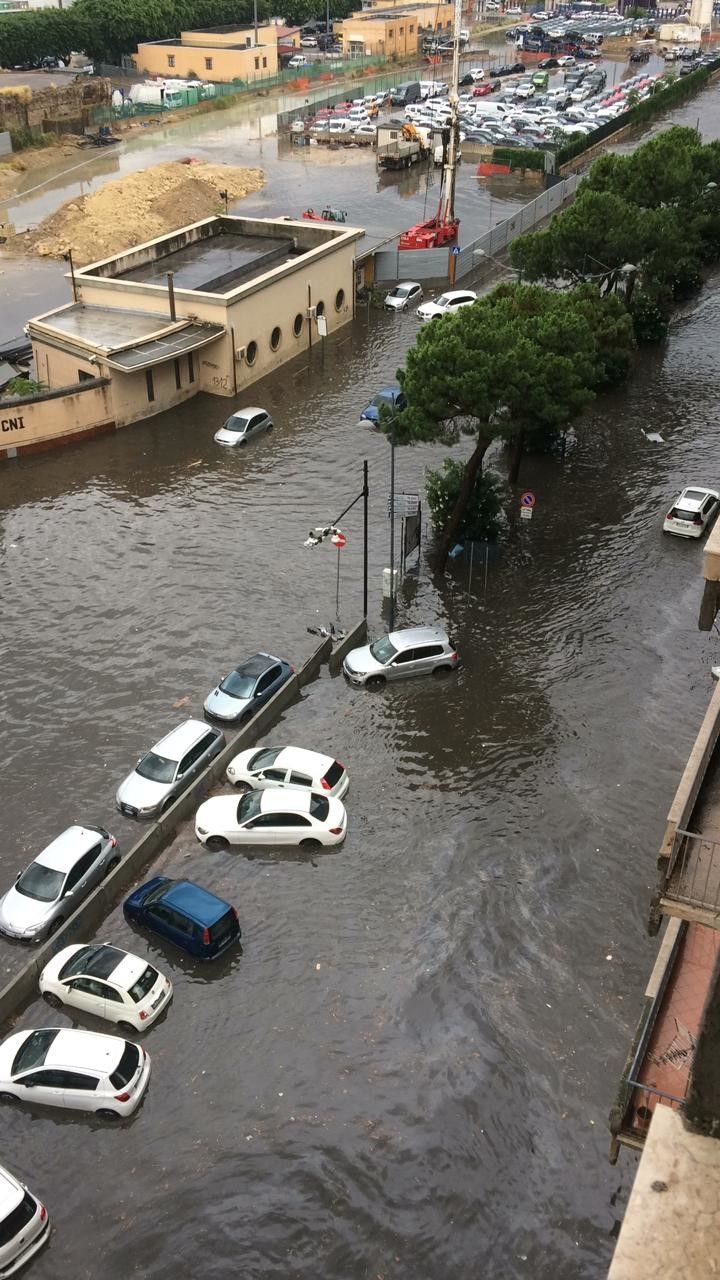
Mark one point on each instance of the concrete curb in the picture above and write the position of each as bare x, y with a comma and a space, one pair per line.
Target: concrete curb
356, 637
23, 986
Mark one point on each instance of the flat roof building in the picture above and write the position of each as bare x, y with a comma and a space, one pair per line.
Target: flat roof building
222, 54
383, 30
211, 307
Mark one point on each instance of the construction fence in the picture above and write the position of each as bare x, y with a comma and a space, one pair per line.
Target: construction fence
437, 264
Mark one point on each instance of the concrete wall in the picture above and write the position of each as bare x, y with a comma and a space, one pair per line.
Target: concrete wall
79, 409
62, 109
353, 640
23, 987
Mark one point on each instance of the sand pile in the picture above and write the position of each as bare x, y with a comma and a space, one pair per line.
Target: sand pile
137, 208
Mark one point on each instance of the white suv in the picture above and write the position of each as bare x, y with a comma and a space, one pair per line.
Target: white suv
24, 1224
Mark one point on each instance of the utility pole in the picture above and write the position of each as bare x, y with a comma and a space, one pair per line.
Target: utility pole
255, 21
392, 529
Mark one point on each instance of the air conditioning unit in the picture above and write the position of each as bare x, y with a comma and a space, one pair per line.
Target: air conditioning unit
310, 313
240, 353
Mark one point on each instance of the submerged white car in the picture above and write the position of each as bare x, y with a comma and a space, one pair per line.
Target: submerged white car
404, 295
254, 770
278, 815
241, 426
691, 512
105, 981
24, 1224
446, 304
79, 1070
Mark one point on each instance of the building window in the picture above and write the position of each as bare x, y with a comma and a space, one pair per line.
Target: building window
84, 376
251, 352
257, 64
149, 384
320, 309
298, 325
339, 299
248, 42
191, 368
401, 31
208, 64
411, 28
275, 337
171, 59
264, 62
390, 34
178, 380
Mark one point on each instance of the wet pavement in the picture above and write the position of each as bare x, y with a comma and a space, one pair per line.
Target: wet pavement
408, 1070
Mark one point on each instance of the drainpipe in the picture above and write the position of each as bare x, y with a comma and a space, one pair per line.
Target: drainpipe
171, 295
234, 358
309, 317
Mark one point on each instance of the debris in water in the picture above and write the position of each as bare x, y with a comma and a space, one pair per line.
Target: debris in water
653, 436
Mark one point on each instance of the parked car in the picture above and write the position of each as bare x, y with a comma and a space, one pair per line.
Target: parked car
308, 42
446, 304
105, 981
414, 651
298, 60
287, 767
548, 64
165, 771
24, 1224
244, 423
47, 892
390, 398
691, 512
277, 815
482, 90
79, 1070
247, 688
403, 296
187, 915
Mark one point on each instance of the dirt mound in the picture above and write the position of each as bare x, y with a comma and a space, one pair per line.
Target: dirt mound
137, 208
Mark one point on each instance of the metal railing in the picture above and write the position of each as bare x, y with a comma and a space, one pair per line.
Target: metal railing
693, 875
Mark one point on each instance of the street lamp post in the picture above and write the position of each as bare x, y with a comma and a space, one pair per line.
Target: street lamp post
391, 618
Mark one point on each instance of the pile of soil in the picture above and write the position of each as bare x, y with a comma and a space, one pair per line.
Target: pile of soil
138, 208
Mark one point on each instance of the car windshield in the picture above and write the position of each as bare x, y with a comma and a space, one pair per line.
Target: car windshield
382, 650
126, 1067
249, 806
402, 291
237, 685
443, 300
694, 495
381, 399
263, 759
157, 768
33, 1051
319, 807
41, 883
78, 962
145, 983
236, 424
679, 513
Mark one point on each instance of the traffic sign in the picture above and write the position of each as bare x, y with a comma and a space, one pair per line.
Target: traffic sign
526, 513
528, 500
455, 251
338, 540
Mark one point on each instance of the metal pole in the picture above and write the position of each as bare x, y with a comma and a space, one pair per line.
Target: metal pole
171, 295
392, 527
255, 20
337, 587
72, 274
365, 538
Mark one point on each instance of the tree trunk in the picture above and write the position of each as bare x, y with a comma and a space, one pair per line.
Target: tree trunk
473, 466
518, 444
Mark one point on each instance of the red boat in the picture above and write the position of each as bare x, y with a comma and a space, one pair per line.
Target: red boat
326, 215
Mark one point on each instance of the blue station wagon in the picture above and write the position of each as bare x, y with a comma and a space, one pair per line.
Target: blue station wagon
186, 914
389, 398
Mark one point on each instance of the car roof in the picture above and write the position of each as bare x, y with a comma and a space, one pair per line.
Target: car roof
407, 284
199, 904
458, 293
62, 853
418, 635
91, 1049
285, 800
11, 1193
301, 758
258, 663
701, 492
389, 391
180, 739
247, 411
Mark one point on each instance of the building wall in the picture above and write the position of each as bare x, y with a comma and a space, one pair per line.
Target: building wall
207, 62
130, 392
378, 36
37, 422
226, 39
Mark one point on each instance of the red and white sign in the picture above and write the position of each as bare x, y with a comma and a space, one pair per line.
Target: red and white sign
338, 540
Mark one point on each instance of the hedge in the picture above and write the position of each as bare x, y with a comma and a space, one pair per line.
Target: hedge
519, 157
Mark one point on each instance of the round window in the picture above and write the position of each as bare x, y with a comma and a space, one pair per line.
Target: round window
320, 309
297, 325
275, 337
251, 352
339, 299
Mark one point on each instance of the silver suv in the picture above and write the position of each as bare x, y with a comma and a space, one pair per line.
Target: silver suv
173, 763
51, 888
417, 651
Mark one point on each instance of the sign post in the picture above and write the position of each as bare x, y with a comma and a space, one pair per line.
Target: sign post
527, 503
338, 540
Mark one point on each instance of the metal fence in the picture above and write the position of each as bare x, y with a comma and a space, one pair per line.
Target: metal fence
435, 264
693, 877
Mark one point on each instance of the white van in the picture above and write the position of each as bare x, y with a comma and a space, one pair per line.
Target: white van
497, 110
24, 1224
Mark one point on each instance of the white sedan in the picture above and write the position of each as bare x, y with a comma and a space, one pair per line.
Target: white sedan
691, 512
275, 816
254, 770
107, 982
446, 304
80, 1070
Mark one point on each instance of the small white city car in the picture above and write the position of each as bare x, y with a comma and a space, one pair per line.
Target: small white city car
24, 1224
287, 767
242, 425
404, 295
446, 304
107, 982
80, 1070
692, 512
279, 815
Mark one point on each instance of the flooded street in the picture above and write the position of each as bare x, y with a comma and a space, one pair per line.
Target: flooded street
407, 1073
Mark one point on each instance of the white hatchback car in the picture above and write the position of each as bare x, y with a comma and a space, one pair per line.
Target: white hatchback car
24, 1224
278, 815
691, 512
254, 770
80, 1070
446, 304
107, 982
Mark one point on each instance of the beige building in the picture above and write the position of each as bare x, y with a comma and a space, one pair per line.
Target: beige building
222, 54
211, 307
396, 30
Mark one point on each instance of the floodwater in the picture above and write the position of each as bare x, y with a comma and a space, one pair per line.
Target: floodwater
407, 1072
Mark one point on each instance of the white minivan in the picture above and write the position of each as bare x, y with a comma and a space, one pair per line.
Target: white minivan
24, 1224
